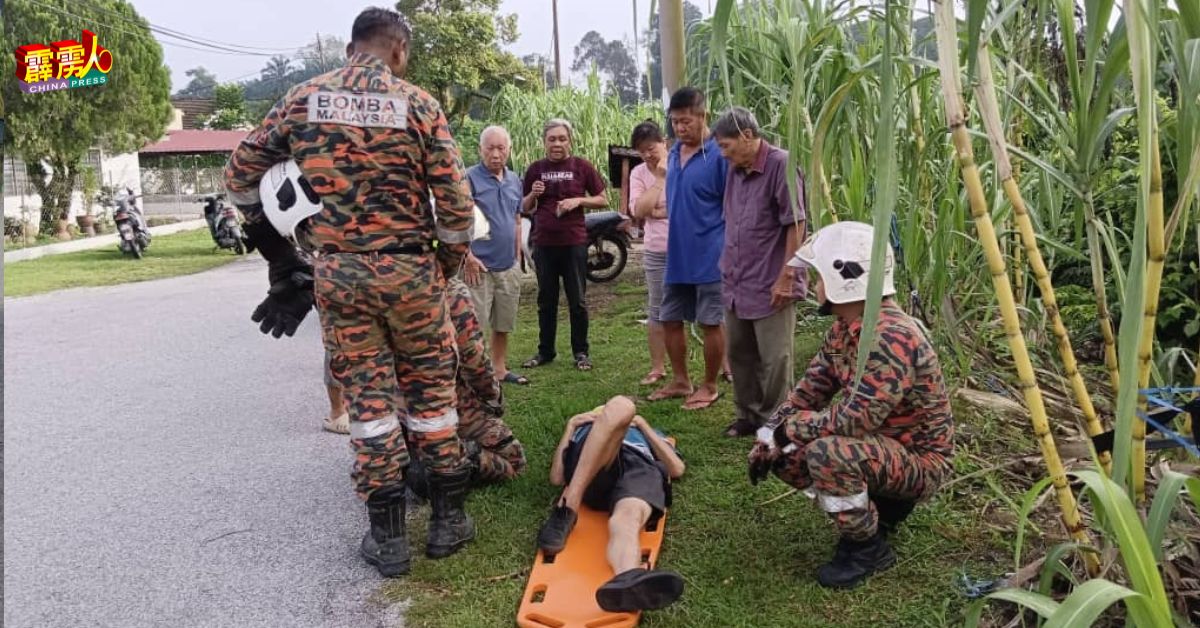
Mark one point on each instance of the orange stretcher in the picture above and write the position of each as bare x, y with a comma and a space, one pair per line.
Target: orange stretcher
562, 591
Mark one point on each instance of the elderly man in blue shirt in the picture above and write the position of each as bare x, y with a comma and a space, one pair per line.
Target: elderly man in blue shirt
492, 267
696, 174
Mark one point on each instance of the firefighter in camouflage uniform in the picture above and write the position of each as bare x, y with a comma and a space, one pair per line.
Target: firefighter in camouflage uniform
869, 456
492, 451
370, 149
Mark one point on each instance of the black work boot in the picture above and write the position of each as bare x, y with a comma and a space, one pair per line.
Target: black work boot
449, 525
417, 480
639, 590
892, 512
854, 560
386, 545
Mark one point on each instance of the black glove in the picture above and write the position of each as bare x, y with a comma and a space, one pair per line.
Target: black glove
762, 458
287, 303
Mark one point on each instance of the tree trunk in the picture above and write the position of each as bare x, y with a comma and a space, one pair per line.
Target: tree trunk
55, 192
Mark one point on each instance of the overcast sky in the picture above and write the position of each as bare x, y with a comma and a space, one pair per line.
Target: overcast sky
264, 25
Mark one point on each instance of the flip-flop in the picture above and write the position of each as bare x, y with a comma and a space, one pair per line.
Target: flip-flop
739, 428
536, 361
706, 403
655, 396
582, 362
338, 425
512, 378
653, 378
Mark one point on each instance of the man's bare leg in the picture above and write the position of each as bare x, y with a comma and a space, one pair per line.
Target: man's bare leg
714, 358
600, 449
625, 525
500, 354
633, 587
658, 352
681, 383
337, 403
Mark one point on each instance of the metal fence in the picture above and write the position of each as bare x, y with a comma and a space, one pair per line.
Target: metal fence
178, 191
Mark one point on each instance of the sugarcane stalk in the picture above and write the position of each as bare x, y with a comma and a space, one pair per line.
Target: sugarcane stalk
1157, 255
985, 93
945, 27
1102, 314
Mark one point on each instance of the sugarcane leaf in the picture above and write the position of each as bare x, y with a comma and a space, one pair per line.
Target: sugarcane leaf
1087, 602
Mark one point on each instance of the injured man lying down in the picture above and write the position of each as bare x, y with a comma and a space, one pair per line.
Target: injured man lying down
611, 460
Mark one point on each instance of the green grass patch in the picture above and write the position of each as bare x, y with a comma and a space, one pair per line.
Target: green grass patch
746, 562
168, 256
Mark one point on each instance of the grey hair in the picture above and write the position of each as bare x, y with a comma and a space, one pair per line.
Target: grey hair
556, 123
734, 121
495, 128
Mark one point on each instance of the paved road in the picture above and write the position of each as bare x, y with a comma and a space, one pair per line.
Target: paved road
164, 465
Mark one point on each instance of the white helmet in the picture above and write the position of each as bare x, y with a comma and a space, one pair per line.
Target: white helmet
287, 198
841, 253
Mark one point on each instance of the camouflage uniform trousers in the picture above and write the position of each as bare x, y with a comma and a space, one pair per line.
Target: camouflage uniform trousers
501, 455
845, 471
384, 318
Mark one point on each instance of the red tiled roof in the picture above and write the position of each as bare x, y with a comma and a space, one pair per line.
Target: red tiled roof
189, 141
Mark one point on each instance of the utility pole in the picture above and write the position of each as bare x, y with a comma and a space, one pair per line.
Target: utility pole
557, 56
636, 49
321, 52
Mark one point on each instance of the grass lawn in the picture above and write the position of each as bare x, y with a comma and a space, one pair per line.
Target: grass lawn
168, 256
746, 562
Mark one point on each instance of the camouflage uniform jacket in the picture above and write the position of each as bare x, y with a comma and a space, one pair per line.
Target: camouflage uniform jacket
374, 147
902, 394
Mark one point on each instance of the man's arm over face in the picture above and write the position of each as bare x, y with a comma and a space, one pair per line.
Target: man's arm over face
264, 147
664, 452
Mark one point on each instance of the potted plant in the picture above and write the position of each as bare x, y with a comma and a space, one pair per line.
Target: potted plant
90, 185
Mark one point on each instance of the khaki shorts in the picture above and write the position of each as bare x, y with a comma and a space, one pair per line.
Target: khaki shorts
496, 299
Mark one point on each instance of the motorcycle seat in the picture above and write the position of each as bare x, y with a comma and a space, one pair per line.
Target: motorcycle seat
602, 220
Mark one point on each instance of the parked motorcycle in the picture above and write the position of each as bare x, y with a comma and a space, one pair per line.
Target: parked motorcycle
134, 235
608, 244
223, 224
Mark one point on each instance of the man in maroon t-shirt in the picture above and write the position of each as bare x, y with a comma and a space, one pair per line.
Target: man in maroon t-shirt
557, 190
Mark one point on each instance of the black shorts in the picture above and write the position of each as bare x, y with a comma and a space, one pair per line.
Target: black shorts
632, 474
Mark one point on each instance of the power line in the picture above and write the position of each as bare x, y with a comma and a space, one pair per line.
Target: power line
170, 32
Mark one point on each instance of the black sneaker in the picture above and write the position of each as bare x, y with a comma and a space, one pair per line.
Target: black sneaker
639, 590
553, 536
854, 561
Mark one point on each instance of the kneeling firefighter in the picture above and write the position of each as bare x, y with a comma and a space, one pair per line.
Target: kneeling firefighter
869, 456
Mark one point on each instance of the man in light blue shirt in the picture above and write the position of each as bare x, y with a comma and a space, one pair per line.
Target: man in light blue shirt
696, 174
492, 267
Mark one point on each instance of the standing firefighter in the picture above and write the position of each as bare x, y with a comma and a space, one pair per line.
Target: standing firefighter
371, 148
872, 454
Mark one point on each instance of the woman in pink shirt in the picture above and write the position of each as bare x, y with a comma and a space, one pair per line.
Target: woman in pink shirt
648, 202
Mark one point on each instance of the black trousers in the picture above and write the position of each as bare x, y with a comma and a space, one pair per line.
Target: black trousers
568, 264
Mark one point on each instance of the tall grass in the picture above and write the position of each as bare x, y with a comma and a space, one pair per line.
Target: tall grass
1092, 101
598, 119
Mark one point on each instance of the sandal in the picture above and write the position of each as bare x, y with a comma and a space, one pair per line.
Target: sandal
700, 404
536, 361
339, 424
512, 378
653, 378
582, 362
740, 428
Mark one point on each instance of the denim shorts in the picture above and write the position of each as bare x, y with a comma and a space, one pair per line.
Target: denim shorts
700, 303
